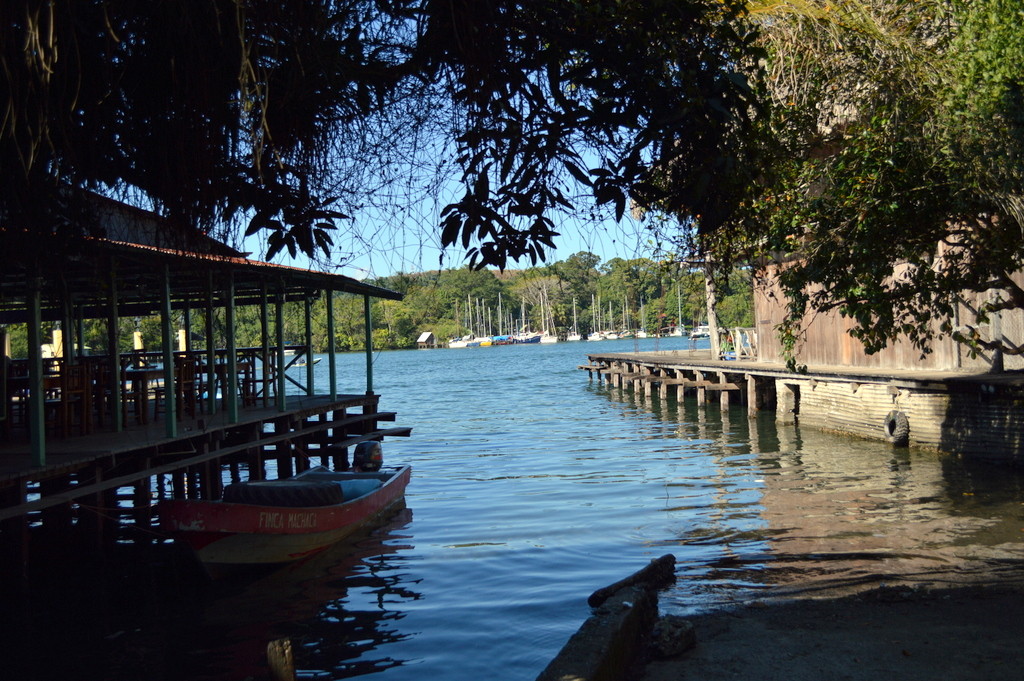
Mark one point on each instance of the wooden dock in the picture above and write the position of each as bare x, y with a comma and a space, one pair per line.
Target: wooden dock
101, 488
968, 412
686, 372
94, 432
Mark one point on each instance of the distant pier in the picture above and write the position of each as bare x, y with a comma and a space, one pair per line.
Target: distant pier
690, 372
972, 413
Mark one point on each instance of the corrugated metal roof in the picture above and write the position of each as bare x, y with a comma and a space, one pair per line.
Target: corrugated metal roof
80, 273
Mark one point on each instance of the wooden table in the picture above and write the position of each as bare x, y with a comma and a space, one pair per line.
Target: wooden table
140, 378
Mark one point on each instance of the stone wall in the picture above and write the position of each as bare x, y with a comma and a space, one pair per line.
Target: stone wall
970, 420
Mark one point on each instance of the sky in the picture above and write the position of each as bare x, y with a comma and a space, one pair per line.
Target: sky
375, 250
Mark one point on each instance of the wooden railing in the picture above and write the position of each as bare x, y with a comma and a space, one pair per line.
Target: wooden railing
79, 393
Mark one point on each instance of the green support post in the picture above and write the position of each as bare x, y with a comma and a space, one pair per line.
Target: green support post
332, 360
368, 329
279, 335
79, 334
188, 326
167, 333
309, 346
211, 354
113, 322
231, 393
36, 418
68, 335
264, 344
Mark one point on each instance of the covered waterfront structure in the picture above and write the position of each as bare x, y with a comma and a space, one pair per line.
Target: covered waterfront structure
89, 442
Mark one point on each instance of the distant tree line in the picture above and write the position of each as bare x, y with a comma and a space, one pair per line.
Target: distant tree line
618, 294
636, 293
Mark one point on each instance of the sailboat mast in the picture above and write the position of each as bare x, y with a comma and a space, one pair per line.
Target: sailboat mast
543, 314
679, 308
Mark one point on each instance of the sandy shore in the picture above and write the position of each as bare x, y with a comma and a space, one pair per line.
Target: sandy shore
946, 628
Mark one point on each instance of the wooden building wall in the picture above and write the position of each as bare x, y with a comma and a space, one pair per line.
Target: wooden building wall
826, 340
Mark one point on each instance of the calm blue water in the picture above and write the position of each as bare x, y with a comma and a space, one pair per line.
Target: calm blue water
532, 487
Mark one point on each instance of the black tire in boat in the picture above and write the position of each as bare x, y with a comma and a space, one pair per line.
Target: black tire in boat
287, 493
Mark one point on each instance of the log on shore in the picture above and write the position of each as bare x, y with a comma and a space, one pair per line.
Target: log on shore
658, 573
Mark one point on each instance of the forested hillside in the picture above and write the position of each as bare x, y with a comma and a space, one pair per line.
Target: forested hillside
617, 294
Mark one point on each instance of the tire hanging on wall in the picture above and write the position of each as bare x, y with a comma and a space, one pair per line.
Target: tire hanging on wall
897, 428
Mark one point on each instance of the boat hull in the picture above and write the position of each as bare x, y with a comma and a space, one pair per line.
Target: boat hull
230, 534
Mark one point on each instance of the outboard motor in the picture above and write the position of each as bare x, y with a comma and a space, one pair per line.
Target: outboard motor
368, 457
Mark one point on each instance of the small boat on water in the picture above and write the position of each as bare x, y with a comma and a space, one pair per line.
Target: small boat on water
281, 521
701, 331
303, 363
526, 337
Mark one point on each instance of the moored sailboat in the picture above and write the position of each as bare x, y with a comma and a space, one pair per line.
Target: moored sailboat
574, 335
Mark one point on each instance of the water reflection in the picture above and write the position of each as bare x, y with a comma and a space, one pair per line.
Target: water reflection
337, 609
790, 508
532, 488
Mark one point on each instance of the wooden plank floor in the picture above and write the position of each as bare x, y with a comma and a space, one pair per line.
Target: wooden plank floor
701, 360
71, 452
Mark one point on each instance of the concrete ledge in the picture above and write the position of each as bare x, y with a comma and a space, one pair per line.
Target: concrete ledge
614, 639
609, 642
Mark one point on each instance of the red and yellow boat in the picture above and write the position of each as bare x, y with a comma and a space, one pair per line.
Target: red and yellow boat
280, 521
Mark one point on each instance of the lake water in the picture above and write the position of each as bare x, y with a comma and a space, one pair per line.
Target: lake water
533, 487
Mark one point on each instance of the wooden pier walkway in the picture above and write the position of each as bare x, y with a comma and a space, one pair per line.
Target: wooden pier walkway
969, 411
682, 370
